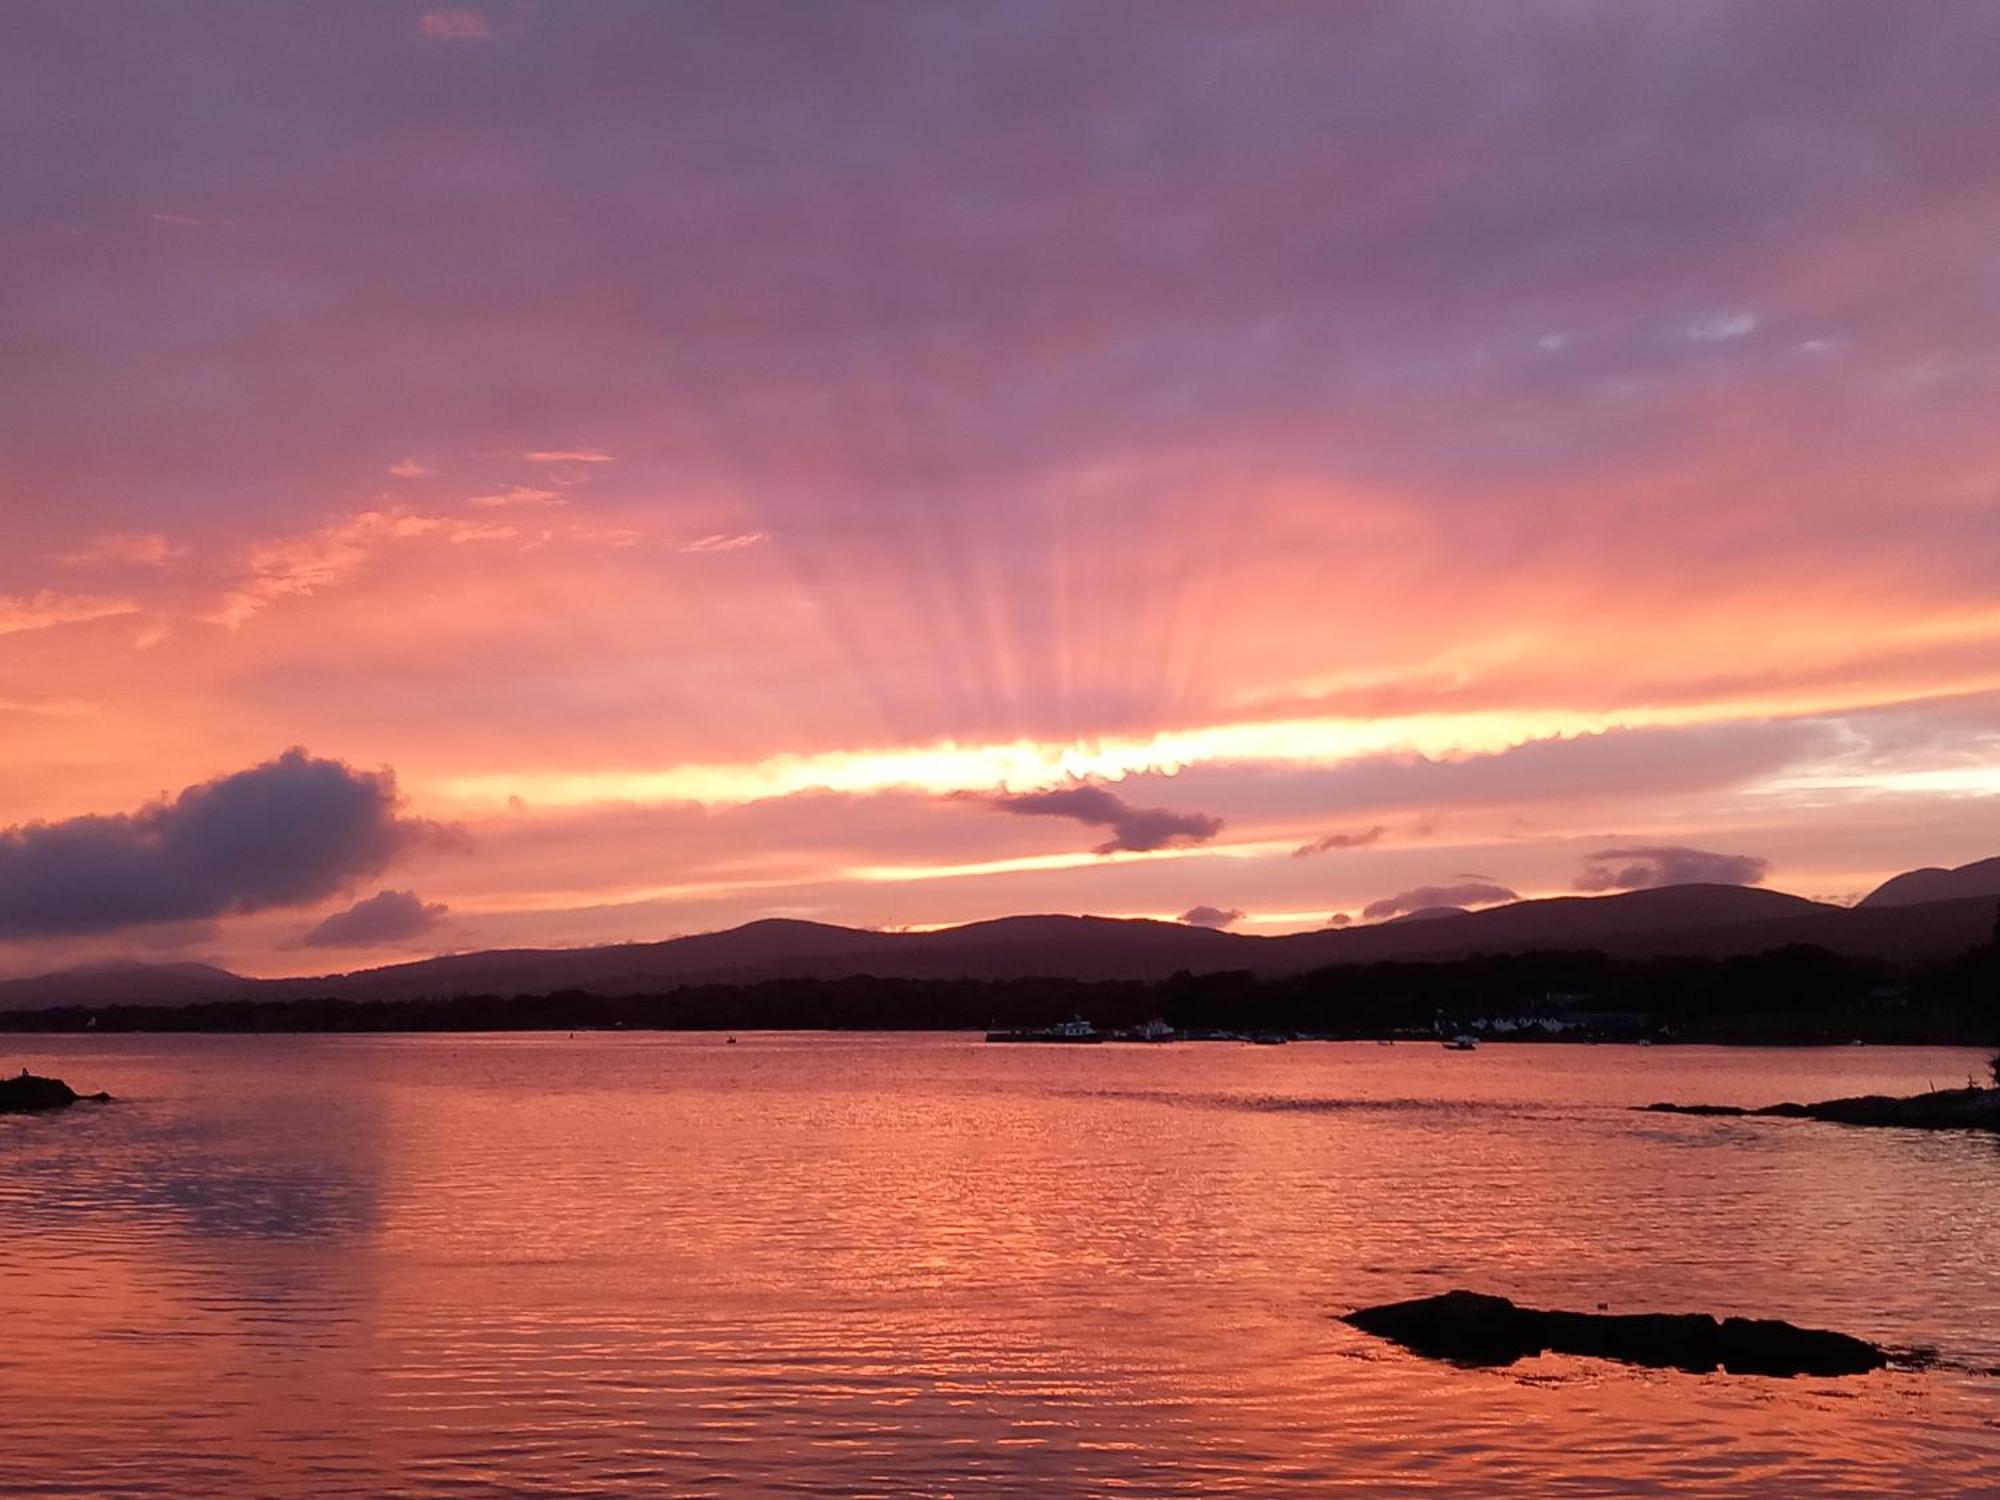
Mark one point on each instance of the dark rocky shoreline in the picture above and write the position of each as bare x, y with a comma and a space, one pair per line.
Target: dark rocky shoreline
1943, 1109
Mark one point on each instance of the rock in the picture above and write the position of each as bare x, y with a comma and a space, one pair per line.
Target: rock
1944, 1109
1770, 1346
1463, 1326
1470, 1328
25, 1091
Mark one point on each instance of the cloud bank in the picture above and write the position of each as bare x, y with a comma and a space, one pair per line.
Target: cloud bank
385, 917
1642, 868
289, 832
1466, 893
1212, 916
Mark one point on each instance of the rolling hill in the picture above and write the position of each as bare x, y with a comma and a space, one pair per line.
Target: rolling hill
1915, 887
1710, 921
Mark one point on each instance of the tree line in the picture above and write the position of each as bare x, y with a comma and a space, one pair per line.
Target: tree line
1793, 994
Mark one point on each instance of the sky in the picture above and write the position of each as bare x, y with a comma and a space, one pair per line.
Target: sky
535, 474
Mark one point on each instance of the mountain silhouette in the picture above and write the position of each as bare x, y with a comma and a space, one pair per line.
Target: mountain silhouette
1704, 921
1915, 887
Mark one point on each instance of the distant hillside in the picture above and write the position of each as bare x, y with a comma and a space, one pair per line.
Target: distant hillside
1635, 924
1694, 921
1915, 887
126, 984
1705, 921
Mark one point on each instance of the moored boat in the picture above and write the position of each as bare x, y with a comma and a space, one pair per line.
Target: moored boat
1076, 1029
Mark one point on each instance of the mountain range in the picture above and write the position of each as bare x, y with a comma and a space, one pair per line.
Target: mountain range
1915, 917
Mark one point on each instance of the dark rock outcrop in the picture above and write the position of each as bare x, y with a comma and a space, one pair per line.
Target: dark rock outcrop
1469, 1328
1944, 1109
26, 1091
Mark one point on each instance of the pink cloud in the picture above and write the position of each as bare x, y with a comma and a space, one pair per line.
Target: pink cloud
146, 549
455, 25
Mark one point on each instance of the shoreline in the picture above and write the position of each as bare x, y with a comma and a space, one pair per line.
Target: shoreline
977, 1034
1972, 1108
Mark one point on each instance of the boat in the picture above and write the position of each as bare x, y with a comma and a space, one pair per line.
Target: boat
1076, 1029
1153, 1029
1269, 1038
1462, 1044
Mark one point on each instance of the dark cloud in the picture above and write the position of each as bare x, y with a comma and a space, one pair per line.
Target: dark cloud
1137, 829
385, 917
1339, 919
1212, 916
1467, 893
285, 833
1087, 804
1641, 868
1329, 841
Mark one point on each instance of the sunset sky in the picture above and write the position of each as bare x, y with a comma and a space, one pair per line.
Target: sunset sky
897, 464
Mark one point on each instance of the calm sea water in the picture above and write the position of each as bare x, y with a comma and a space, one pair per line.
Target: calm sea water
646, 1265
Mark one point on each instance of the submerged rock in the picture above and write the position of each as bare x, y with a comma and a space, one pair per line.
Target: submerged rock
1943, 1109
1470, 1328
25, 1091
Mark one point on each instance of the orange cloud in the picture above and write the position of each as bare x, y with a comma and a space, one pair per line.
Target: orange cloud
725, 542
303, 565
46, 609
519, 494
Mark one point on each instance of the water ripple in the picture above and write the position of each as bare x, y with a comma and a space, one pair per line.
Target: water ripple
917, 1266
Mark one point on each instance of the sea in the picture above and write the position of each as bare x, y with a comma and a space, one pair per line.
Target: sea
645, 1264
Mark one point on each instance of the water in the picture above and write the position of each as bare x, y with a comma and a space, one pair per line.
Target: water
660, 1265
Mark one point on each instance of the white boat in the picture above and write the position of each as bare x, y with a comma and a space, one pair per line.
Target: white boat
1462, 1044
